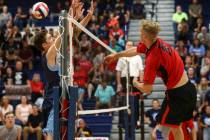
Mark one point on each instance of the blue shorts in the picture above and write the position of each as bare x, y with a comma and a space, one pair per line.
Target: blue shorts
49, 129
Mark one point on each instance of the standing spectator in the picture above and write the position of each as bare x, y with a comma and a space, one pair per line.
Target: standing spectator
34, 124
20, 17
5, 16
22, 111
85, 64
37, 87
80, 77
205, 123
83, 130
104, 94
4, 108
151, 117
195, 11
132, 66
10, 131
138, 10
179, 16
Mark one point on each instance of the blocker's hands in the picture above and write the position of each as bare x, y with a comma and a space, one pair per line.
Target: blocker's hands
92, 8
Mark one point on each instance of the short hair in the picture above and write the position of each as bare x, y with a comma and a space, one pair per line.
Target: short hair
151, 28
8, 113
39, 39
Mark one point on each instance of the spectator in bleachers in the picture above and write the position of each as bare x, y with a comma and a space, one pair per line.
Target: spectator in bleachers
37, 87
2, 86
17, 36
84, 44
4, 108
5, 16
11, 52
138, 10
151, 117
192, 75
20, 18
114, 45
22, 111
10, 131
205, 123
9, 78
195, 11
20, 77
2, 3
34, 124
181, 49
179, 16
31, 22
199, 24
25, 55
204, 36
207, 98
182, 31
80, 77
116, 32
83, 130
202, 90
197, 49
205, 69
188, 62
104, 95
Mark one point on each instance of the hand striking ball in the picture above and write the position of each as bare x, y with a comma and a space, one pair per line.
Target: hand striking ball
40, 10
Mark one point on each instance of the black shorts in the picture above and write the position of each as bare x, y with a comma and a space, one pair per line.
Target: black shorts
124, 85
178, 105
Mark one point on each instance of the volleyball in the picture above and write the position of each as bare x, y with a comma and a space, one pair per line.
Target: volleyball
40, 10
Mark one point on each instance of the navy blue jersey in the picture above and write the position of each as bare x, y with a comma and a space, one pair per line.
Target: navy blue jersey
152, 115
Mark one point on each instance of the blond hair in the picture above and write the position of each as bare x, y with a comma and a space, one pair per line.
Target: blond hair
151, 28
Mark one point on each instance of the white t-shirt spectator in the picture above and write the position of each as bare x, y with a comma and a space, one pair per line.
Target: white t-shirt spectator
3, 110
24, 111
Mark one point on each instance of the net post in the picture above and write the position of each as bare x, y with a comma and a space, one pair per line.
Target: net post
64, 30
56, 113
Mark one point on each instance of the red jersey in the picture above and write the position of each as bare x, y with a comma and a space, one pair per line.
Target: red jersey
36, 87
162, 60
185, 128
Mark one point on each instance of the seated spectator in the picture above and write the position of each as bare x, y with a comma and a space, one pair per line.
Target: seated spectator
20, 18
9, 78
5, 16
84, 44
11, 52
179, 16
26, 55
138, 10
181, 49
205, 123
199, 24
116, 32
81, 92
204, 36
34, 124
192, 76
195, 11
17, 36
4, 108
114, 45
85, 64
2, 86
202, 90
188, 62
22, 111
183, 32
20, 77
37, 87
151, 117
80, 77
10, 131
205, 69
104, 95
83, 130
207, 98
197, 49
27, 35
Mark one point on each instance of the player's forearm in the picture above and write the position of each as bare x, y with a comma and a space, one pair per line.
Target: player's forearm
84, 23
144, 88
127, 53
194, 136
118, 75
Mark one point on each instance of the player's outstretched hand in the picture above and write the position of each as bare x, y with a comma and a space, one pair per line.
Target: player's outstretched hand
110, 58
92, 8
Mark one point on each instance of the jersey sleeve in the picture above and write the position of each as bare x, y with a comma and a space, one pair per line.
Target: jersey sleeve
141, 48
150, 70
190, 124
